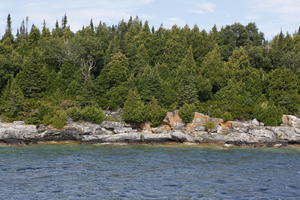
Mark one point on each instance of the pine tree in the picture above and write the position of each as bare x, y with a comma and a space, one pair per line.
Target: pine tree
154, 112
148, 84
45, 31
134, 108
34, 35
12, 101
64, 22
213, 68
32, 79
186, 77
8, 31
114, 73
140, 60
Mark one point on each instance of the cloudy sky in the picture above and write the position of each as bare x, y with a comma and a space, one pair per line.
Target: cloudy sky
271, 16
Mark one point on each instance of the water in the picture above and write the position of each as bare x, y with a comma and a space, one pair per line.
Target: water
147, 172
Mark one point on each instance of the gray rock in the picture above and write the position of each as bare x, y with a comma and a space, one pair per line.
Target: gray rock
290, 120
19, 123
179, 136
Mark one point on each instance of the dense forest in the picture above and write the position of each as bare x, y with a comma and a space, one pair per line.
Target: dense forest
48, 76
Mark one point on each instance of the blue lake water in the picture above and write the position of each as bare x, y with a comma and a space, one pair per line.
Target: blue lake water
71, 172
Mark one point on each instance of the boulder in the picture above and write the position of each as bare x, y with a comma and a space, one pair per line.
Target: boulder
18, 133
287, 133
173, 120
161, 129
290, 120
86, 128
66, 134
112, 125
19, 123
199, 121
146, 126
179, 136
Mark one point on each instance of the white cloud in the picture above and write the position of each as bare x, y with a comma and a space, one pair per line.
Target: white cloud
204, 7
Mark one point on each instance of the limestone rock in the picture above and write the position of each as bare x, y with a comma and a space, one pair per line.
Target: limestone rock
173, 120
146, 126
290, 120
199, 121
182, 137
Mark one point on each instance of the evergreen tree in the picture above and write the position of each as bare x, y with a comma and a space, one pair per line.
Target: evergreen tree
34, 35
8, 31
115, 73
33, 77
45, 31
154, 112
12, 101
64, 22
213, 68
186, 77
134, 108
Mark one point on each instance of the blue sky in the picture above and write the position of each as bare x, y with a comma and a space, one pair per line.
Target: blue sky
271, 16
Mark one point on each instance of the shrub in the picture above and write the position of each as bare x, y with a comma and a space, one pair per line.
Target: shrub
209, 125
186, 112
268, 113
218, 113
92, 114
59, 120
74, 113
89, 113
154, 113
134, 108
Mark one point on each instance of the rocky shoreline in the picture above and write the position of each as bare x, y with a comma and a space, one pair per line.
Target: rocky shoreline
172, 130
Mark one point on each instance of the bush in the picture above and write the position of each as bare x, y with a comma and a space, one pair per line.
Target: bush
92, 114
186, 112
268, 113
134, 108
74, 113
209, 125
218, 113
59, 120
154, 113
89, 113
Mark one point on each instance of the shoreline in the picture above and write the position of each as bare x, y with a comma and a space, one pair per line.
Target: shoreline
171, 131
220, 146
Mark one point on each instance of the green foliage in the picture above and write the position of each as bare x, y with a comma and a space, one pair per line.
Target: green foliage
282, 87
33, 77
92, 114
186, 112
89, 113
226, 73
74, 113
12, 101
154, 113
59, 119
134, 108
209, 125
268, 113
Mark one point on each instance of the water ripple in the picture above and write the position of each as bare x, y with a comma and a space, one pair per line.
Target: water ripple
75, 172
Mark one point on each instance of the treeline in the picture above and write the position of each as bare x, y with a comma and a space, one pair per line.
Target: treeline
47, 75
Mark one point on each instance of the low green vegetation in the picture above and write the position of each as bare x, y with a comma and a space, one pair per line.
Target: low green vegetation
186, 112
233, 73
89, 113
209, 125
